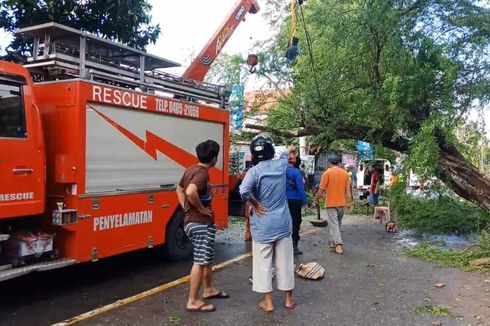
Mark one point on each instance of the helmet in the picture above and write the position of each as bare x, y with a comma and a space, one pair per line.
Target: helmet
262, 148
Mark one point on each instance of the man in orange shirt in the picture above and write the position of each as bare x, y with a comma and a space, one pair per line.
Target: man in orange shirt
335, 183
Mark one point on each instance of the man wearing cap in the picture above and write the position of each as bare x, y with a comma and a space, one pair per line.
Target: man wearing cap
335, 184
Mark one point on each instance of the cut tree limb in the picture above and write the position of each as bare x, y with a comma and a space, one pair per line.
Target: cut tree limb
480, 262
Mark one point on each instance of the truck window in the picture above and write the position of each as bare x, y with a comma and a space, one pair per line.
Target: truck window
12, 119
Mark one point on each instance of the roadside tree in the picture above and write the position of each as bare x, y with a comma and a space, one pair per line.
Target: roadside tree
128, 22
403, 74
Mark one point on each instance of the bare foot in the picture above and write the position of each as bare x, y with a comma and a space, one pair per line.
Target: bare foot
266, 307
289, 302
215, 294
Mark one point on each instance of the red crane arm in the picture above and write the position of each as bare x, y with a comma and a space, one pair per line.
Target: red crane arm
200, 66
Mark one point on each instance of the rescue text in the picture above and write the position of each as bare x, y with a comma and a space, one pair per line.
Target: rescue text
119, 97
17, 196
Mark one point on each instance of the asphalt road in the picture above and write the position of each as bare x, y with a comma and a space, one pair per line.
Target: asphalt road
49, 297
373, 283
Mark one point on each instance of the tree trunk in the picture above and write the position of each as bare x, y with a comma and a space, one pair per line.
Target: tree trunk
463, 178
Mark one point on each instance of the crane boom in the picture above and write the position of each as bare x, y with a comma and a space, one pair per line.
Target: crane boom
200, 66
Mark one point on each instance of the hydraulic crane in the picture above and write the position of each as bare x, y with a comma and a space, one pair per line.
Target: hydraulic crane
201, 64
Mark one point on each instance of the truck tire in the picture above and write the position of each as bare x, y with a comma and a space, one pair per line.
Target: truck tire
177, 246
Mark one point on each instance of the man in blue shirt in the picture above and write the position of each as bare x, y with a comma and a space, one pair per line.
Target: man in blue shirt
264, 187
296, 195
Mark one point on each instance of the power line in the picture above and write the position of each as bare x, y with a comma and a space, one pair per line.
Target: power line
310, 51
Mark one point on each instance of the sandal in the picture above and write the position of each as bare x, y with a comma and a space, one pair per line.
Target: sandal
219, 295
201, 308
264, 308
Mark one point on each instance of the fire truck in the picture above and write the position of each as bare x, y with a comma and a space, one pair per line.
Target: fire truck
94, 138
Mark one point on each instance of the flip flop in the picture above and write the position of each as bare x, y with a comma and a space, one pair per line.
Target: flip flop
290, 307
264, 308
201, 308
219, 295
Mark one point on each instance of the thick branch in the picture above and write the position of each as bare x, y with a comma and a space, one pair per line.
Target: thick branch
398, 144
307, 131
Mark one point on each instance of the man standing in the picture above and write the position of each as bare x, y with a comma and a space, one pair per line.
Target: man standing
195, 198
393, 178
264, 187
374, 187
335, 183
296, 195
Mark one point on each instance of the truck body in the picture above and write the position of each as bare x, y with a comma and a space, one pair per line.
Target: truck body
90, 155
363, 175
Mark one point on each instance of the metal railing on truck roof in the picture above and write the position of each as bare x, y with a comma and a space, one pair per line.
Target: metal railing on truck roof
61, 52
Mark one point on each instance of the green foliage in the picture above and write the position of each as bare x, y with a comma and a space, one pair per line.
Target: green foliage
484, 240
437, 311
376, 70
174, 319
401, 74
424, 151
446, 258
124, 21
228, 70
441, 213
473, 144
361, 208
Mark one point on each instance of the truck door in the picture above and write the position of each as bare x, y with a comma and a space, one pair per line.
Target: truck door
22, 165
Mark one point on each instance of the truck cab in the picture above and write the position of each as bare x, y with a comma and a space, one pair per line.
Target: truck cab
22, 157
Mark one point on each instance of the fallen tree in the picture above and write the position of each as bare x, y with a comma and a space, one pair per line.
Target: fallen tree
384, 72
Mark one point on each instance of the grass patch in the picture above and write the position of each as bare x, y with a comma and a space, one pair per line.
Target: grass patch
174, 319
438, 311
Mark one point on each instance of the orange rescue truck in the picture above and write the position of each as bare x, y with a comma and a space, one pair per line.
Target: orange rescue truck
91, 152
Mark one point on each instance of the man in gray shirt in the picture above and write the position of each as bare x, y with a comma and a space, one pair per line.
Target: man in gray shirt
264, 187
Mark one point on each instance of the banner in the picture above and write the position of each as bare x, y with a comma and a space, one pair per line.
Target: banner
309, 162
236, 107
365, 150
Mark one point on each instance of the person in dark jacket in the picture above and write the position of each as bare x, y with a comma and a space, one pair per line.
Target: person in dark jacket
296, 195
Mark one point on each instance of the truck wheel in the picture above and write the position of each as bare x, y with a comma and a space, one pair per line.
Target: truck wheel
178, 245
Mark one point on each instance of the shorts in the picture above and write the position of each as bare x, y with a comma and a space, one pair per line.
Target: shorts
202, 236
373, 199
